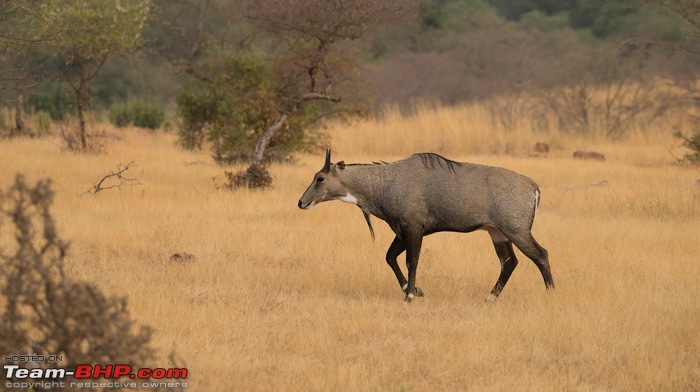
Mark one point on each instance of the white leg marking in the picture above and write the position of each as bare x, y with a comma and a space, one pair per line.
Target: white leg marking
349, 199
405, 287
491, 298
537, 202
410, 296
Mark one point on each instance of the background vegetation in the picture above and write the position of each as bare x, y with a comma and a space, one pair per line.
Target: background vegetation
225, 72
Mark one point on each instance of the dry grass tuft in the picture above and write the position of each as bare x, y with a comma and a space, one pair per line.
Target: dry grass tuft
283, 299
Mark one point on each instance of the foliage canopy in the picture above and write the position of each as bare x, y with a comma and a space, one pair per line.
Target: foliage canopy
234, 106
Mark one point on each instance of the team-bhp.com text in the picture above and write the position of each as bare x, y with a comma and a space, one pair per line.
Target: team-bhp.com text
44, 378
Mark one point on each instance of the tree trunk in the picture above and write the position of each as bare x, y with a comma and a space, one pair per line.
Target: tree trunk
81, 114
79, 98
19, 113
257, 176
265, 138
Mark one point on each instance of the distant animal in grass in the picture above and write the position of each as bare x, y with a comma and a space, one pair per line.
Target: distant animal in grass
539, 149
590, 155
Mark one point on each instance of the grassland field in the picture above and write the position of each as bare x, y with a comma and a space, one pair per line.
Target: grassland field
279, 299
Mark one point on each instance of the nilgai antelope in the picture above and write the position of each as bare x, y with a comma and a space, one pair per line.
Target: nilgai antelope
425, 194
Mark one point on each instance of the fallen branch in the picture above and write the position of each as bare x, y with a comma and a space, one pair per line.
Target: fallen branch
117, 176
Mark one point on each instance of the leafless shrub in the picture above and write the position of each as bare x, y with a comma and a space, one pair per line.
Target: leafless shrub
627, 103
692, 143
612, 97
254, 177
43, 309
507, 111
114, 179
94, 140
571, 105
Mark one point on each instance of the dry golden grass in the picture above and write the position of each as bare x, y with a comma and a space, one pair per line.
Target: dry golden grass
282, 299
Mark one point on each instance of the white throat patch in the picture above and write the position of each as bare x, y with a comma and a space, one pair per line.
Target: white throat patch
349, 199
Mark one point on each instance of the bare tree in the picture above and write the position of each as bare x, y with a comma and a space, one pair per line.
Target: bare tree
274, 61
611, 93
688, 11
191, 28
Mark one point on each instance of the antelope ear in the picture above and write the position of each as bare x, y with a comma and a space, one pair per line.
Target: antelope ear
340, 165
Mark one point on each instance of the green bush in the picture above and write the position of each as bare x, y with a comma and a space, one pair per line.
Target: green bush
139, 113
148, 115
119, 115
234, 108
195, 112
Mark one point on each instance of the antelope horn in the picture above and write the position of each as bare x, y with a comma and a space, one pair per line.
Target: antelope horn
327, 165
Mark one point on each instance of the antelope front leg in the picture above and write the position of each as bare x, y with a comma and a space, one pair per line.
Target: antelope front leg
397, 247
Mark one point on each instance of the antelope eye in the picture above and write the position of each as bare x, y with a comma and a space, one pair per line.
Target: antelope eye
320, 179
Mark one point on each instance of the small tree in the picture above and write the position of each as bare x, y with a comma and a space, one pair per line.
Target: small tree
314, 57
22, 57
234, 106
88, 33
261, 81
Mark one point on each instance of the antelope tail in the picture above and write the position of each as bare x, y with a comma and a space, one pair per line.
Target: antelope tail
369, 223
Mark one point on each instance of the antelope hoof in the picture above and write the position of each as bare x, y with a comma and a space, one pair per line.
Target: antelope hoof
417, 292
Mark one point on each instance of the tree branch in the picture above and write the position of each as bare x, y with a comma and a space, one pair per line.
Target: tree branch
99, 67
194, 51
118, 175
318, 96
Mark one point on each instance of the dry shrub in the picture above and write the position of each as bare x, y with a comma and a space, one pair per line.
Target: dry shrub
692, 143
94, 140
612, 107
44, 311
254, 177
